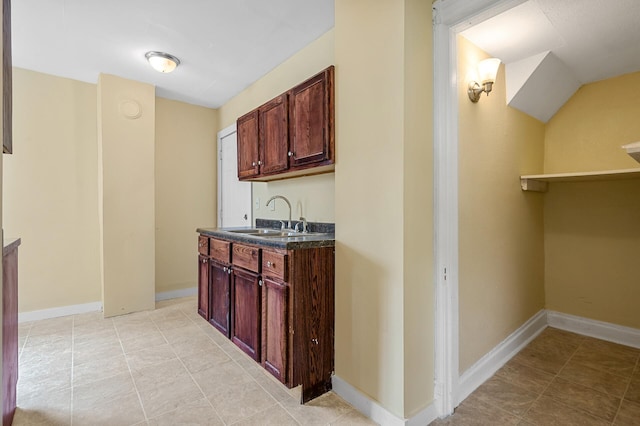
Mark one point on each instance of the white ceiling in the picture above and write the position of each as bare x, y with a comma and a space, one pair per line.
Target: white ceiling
224, 45
592, 39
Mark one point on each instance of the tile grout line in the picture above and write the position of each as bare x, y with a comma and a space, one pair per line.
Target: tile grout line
135, 386
187, 370
79, 332
555, 376
252, 377
624, 394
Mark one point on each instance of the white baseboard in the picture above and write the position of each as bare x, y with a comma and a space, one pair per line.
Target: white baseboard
600, 330
175, 294
61, 311
424, 417
486, 366
375, 411
84, 308
364, 404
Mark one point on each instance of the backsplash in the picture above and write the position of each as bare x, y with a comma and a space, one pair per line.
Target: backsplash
327, 228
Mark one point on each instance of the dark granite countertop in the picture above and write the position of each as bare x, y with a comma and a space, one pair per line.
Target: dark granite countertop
324, 236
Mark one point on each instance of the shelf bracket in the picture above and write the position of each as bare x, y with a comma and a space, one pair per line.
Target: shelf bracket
533, 185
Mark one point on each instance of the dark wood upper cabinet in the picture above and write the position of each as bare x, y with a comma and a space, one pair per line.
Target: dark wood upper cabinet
274, 134
291, 135
247, 134
311, 118
7, 99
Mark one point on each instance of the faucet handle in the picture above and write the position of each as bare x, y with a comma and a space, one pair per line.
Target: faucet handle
282, 225
304, 224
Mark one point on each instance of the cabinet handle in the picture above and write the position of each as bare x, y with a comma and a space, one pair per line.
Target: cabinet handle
290, 154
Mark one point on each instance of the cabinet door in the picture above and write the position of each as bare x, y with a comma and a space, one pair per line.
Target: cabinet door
219, 313
275, 328
311, 115
274, 135
245, 332
203, 286
247, 133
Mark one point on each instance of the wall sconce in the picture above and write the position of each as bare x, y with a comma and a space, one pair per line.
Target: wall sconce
162, 62
487, 71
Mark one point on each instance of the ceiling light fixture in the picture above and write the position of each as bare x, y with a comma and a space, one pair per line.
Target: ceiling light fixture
487, 71
162, 62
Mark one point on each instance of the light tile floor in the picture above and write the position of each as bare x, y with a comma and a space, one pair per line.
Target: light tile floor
562, 379
161, 367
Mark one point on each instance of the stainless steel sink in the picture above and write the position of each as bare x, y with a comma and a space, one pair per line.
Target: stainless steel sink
256, 231
274, 233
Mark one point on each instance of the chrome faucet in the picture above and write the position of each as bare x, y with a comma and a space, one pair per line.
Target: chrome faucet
288, 204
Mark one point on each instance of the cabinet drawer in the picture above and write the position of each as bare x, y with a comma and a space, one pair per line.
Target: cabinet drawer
274, 265
220, 250
246, 257
203, 245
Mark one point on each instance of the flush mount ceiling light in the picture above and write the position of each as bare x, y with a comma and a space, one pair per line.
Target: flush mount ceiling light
487, 71
162, 62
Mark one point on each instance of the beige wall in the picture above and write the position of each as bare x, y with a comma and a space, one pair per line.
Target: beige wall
126, 194
312, 197
50, 190
185, 199
587, 132
375, 196
501, 258
592, 231
419, 295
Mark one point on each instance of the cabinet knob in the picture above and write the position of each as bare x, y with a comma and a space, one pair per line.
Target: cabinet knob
259, 162
314, 341
224, 269
253, 164
269, 264
290, 154
229, 271
260, 283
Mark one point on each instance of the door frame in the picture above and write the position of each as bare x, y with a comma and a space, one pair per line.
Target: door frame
449, 18
221, 135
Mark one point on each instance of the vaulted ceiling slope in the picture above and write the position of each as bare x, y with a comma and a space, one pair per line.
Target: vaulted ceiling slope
552, 47
223, 45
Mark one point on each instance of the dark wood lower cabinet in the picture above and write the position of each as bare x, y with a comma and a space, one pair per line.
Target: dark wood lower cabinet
203, 286
245, 332
9, 329
275, 328
277, 306
313, 313
220, 297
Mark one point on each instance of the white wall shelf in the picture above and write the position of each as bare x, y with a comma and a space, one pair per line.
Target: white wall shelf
539, 183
